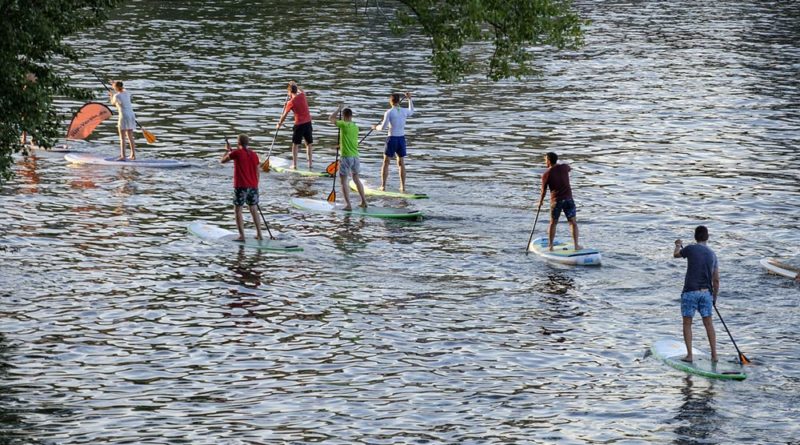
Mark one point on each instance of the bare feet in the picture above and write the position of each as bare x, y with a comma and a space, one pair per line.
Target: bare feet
714, 359
294, 166
121, 158
132, 158
551, 248
382, 188
402, 189
240, 239
363, 204
578, 247
258, 237
347, 209
687, 359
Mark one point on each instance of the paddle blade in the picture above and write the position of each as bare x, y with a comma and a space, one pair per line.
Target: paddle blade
743, 359
149, 137
333, 167
332, 197
265, 166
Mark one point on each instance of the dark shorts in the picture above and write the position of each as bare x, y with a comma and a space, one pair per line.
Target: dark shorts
567, 205
302, 131
242, 196
395, 145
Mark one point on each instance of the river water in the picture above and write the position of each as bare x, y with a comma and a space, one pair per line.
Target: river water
120, 327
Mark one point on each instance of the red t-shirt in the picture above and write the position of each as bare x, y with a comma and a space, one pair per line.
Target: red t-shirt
299, 105
557, 178
245, 168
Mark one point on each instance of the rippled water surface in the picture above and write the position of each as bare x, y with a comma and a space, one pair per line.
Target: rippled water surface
120, 327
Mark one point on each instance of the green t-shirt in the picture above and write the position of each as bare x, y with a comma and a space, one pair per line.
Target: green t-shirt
349, 138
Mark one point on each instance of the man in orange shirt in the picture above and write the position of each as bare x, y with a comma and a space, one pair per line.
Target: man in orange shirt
302, 122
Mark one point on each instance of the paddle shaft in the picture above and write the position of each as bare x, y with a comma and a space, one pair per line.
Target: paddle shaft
265, 222
275, 136
332, 196
742, 358
365, 136
530, 238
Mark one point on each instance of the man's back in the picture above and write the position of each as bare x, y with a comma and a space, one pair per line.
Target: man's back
701, 263
557, 179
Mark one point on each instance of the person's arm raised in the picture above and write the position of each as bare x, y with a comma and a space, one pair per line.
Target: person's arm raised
678, 247
335, 114
227, 155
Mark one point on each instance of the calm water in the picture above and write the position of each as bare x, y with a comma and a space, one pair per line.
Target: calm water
120, 327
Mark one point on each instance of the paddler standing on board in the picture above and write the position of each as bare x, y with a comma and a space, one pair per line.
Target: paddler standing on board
302, 129
556, 178
394, 119
349, 163
121, 98
245, 181
700, 288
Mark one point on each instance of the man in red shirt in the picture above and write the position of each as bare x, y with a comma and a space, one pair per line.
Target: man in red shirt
245, 181
302, 122
557, 179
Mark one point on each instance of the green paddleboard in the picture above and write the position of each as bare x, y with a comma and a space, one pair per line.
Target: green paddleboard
377, 192
671, 352
281, 165
374, 212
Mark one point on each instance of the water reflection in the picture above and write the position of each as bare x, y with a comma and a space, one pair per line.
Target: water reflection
246, 267
696, 417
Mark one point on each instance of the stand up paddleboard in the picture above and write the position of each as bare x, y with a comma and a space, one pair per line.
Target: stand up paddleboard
776, 267
377, 192
671, 352
215, 234
281, 165
375, 212
565, 253
97, 159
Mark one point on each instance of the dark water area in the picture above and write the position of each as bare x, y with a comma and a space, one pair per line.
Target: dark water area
118, 326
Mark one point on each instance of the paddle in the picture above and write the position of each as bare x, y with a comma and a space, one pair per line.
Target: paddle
332, 195
742, 359
530, 238
265, 164
365, 136
265, 222
148, 136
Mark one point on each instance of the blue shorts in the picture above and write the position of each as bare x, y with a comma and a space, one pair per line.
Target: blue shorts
395, 145
242, 195
694, 301
567, 205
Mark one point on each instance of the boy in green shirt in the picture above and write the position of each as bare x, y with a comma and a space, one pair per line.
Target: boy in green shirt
348, 162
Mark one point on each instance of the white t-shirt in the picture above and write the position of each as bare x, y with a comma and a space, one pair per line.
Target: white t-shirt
395, 119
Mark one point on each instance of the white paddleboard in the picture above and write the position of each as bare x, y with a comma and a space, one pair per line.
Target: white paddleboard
216, 234
375, 212
98, 159
565, 253
281, 165
776, 267
672, 351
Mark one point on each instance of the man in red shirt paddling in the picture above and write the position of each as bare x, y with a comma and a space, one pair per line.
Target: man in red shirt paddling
302, 122
245, 181
557, 179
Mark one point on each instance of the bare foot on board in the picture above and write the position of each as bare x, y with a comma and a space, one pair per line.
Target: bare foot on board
687, 359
